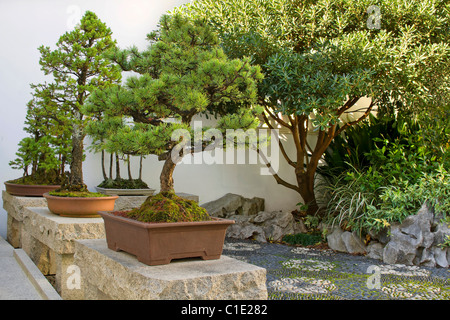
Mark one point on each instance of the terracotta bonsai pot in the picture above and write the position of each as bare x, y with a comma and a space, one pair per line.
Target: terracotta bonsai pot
159, 243
78, 207
29, 190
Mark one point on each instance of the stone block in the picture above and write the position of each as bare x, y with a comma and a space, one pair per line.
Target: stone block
106, 274
14, 206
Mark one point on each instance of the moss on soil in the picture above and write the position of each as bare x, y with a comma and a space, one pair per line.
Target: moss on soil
123, 184
168, 207
36, 180
77, 194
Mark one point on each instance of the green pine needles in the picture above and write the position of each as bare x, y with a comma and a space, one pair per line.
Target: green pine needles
184, 72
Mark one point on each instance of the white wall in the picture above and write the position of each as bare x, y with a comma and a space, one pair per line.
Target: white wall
27, 24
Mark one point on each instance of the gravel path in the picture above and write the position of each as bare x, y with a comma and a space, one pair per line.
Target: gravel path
295, 273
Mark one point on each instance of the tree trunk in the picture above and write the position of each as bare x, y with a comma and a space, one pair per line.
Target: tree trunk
117, 167
140, 168
166, 178
111, 166
129, 168
105, 177
306, 184
76, 166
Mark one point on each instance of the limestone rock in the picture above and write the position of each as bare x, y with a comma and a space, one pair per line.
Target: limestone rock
335, 241
375, 250
416, 240
353, 243
345, 241
252, 222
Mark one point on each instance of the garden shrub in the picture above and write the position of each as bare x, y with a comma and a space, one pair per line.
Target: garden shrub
402, 174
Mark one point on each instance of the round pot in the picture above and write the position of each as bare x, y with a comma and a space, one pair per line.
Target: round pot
29, 190
78, 207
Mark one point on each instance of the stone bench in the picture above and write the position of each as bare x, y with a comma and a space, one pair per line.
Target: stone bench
106, 274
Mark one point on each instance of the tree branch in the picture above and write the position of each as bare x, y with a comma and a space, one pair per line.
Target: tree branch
275, 175
351, 123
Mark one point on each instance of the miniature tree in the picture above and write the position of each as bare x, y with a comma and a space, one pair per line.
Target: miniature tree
46, 150
320, 57
78, 66
183, 72
99, 132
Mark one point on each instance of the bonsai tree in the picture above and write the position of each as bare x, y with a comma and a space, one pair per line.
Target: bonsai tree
46, 151
184, 72
99, 131
320, 58
78, 66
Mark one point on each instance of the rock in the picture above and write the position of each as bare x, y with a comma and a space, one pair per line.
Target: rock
353, 243
231, 204
401, 249
375, 250
252, 222
335, 241
345, 241
440, 256
381, 236
416, 240
252, 206
246, 230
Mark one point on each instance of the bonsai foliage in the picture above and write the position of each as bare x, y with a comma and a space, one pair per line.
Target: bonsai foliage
184, 72
168, 207
99, 133
78, 66
45, 152
320, 57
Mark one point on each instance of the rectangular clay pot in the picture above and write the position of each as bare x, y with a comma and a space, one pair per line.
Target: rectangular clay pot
159, 243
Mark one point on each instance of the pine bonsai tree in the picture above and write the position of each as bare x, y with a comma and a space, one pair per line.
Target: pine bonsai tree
183, 72
78, 67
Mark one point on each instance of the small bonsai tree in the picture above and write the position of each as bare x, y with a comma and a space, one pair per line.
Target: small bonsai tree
184, 72
46, 151
99, 132
78, 66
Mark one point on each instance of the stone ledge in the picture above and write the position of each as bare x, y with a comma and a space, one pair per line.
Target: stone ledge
106, 274
58, 232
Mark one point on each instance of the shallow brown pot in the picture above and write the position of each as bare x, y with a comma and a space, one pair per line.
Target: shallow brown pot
25, 190
159, 243
79, 207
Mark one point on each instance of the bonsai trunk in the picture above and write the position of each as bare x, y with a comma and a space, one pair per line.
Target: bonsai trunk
166, 178
76, 167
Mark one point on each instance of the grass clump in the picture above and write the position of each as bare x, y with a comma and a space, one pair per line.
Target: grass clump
168, 207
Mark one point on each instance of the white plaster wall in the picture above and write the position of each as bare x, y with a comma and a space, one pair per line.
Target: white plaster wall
27, 24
